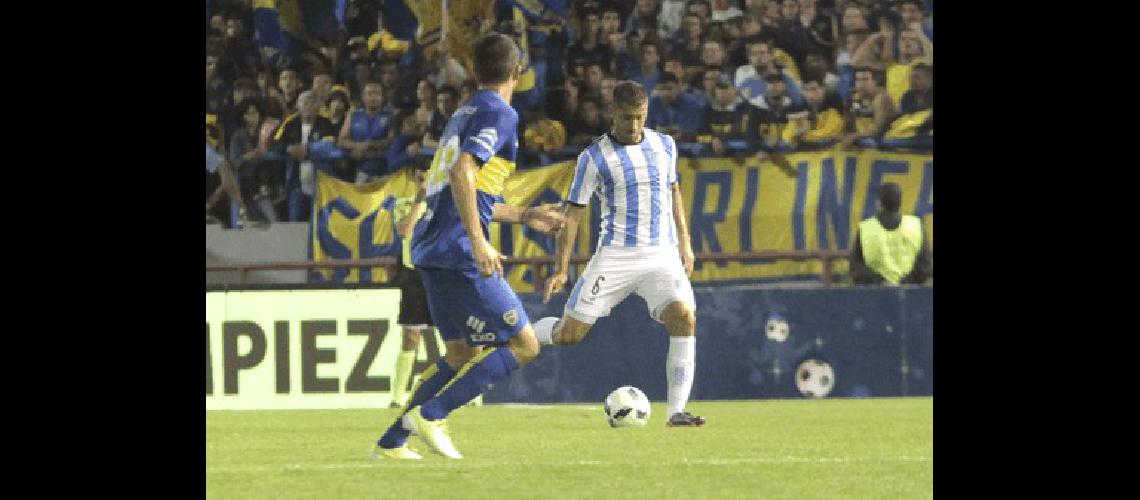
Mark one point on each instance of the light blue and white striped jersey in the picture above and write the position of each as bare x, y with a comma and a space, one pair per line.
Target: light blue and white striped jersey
635, 186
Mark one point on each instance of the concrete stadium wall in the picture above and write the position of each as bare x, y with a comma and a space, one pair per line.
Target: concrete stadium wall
879, 342
281, 241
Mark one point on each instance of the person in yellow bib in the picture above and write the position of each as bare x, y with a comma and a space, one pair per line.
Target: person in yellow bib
415, 316
890, 248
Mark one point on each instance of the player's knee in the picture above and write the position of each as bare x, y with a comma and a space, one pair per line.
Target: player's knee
525, 347
680, 320
572, 332
458, 356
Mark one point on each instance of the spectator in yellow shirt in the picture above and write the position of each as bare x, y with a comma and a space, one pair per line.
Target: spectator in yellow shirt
869, 111
822, 124
914, 49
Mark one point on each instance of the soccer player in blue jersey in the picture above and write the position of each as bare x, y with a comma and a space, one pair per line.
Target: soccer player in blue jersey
484, 326
643, 247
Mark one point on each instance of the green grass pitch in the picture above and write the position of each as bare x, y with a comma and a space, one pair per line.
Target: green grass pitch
773, 449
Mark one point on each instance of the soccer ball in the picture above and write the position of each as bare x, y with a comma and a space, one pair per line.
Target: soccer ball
777, 330
627, 406
815, 378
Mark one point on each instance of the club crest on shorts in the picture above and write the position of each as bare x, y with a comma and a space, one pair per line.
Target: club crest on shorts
511, 317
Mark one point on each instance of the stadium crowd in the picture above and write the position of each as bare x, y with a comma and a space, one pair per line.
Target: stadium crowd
727, 78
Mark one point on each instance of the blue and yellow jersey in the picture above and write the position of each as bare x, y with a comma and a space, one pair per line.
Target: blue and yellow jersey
367, 127
487, 128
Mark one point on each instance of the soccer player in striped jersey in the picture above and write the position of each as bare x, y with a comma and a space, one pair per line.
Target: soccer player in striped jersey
643, 247
483, 324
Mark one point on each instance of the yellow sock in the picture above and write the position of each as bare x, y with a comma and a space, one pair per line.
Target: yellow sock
405, 361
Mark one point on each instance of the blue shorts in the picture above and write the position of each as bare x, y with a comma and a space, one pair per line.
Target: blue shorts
464, 305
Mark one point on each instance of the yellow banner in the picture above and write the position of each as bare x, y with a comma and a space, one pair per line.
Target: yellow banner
356, 222
741, 207
731, 207
465, 23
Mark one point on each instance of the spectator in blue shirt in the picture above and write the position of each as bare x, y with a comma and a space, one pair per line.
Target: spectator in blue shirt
406, 145
751, 79
673, 112
624, 63
650, 66
366, 134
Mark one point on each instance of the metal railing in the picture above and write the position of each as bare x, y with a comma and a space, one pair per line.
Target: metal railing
538, 263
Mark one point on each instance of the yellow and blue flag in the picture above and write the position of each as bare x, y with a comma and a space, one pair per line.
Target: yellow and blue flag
283, 27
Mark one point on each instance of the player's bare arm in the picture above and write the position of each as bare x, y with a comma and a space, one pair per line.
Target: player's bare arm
566, 239
684, 245
546, 218
462, 175
408, 223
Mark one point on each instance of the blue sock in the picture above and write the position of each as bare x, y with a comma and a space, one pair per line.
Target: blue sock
475, 378
431, 381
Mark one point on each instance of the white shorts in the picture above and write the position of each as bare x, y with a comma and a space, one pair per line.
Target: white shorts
654, 273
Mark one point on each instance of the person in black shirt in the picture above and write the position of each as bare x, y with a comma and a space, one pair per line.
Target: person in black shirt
791, 34
822, 27
727, 120
231, 119
446, 101
914, 127
293, 138
687, 46
824, 121
338, 105
643, 19
773, 131
589, 47
713, 55
239, 48
588, 124
215, 88
593, 79
243, 154
920, 96
289, 83
611, 23
734, 48
701, 8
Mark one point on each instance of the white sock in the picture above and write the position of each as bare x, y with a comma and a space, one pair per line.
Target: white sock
679, 368
544, 330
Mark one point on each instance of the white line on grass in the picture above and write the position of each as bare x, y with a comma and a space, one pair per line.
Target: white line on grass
784, 460
434, 462
521, 406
